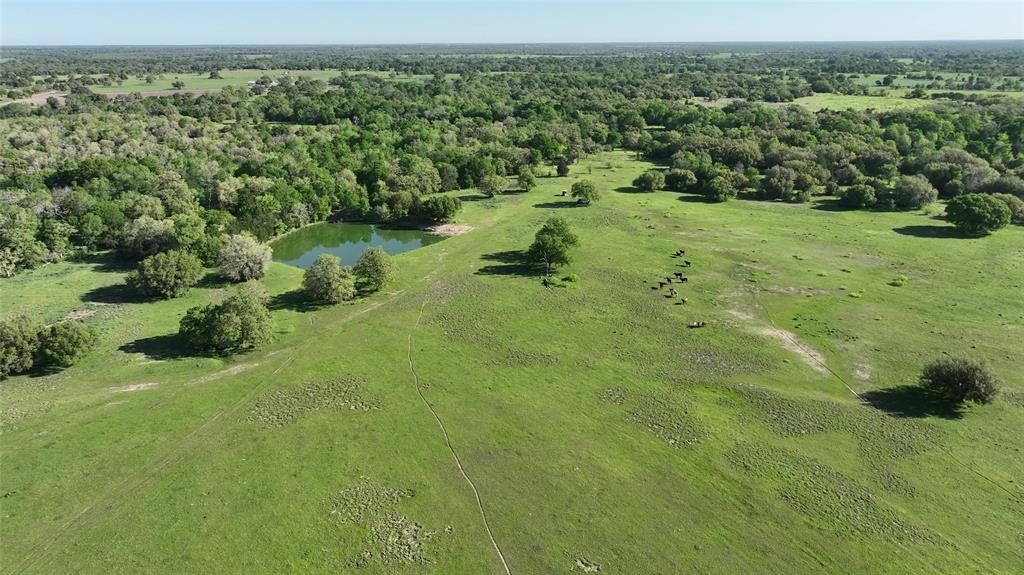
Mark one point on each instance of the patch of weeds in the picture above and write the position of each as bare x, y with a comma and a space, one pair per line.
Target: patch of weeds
1013, 396
833, 500
12, 414
813, 325
898, 281
394, 538
662, 416
281, 407
856, 294
571, 278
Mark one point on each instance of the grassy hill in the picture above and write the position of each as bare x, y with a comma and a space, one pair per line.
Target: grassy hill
598, 429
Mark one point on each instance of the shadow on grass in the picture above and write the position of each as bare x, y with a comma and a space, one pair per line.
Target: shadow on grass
295, 300
114, 294
831, 206
108, 261
213, 280
508, 263
630, 190
558, 204
912, 401
473, 198
169, 346
694, 199
929, 231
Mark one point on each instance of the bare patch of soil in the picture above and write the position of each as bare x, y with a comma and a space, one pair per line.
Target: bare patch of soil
79, 314
135, 387
234, 370
789, 341
450, 229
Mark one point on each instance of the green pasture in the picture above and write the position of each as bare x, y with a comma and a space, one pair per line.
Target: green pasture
599, 430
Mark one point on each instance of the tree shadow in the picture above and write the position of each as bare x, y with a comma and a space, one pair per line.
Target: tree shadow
558, 204
509, 263
114, 294
912, 401
630, 190
831, 206
107, 261
693, 199
213, 280
929, 231
295, 300
473, 198
168, 346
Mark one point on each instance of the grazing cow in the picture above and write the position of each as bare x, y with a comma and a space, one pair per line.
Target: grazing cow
686, 300
565, 193
678, 274
684, 280
697, 324
672, 292
687, 263
661, 284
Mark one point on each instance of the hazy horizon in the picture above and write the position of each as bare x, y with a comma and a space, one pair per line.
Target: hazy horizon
431, 22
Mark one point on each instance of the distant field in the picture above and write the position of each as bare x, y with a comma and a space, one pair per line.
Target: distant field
598, 428
895, 101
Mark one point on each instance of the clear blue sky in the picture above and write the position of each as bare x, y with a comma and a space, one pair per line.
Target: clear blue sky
106, 22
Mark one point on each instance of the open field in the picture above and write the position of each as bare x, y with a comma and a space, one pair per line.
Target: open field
598, 430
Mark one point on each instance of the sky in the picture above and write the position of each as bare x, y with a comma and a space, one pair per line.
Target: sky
166, 22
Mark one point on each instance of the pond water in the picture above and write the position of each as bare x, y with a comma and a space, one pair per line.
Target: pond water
347, 241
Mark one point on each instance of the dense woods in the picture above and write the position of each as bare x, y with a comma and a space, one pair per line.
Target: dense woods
148, 175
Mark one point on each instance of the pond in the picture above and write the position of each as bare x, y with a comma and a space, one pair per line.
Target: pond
347, 241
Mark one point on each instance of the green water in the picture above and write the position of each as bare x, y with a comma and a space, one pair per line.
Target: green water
347, 241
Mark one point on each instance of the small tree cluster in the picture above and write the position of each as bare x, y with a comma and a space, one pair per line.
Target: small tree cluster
240, 322
440, 208
25, 343
167, 274
551, 244
243, 258
960, 380
327, 281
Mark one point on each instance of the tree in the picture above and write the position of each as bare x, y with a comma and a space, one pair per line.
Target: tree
62, 344
858, 196
440, 208
242, 257
167, 275
242, 321
19, 339
562, 167
680, 180
145, 236
978, 214
526, 180
374, 268
778, 183
913, 192
960, 380
327, 281
719, 189
650, 181
19, 248
177, 84
585, 191
214, 75
551, 244
491, 185
1016, 206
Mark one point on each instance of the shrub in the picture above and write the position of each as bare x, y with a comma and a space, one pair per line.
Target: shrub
19, 339
240, 322
526, 180
491, 186
167, 275
64, 343
680, 180
858, 196
327, 281
146, 236
586, 191
571, 278
650, 181
440, 208
374, 268
1016, 206
243, 258
913, 192
719, 189
978, 214
959, 380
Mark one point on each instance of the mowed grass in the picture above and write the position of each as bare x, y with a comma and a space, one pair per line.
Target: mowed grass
598, 428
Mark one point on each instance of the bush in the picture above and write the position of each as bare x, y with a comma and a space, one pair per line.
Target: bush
491, 186
167, 275
327, 281
19, 339
526, 180
680, 180
1016, 206
240, 322
650, 181
858, 196
64, 343
959, 380
913, 192
440, 208
586, 191
978, 214
719, 189
243, 258
146, 236
374, 268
